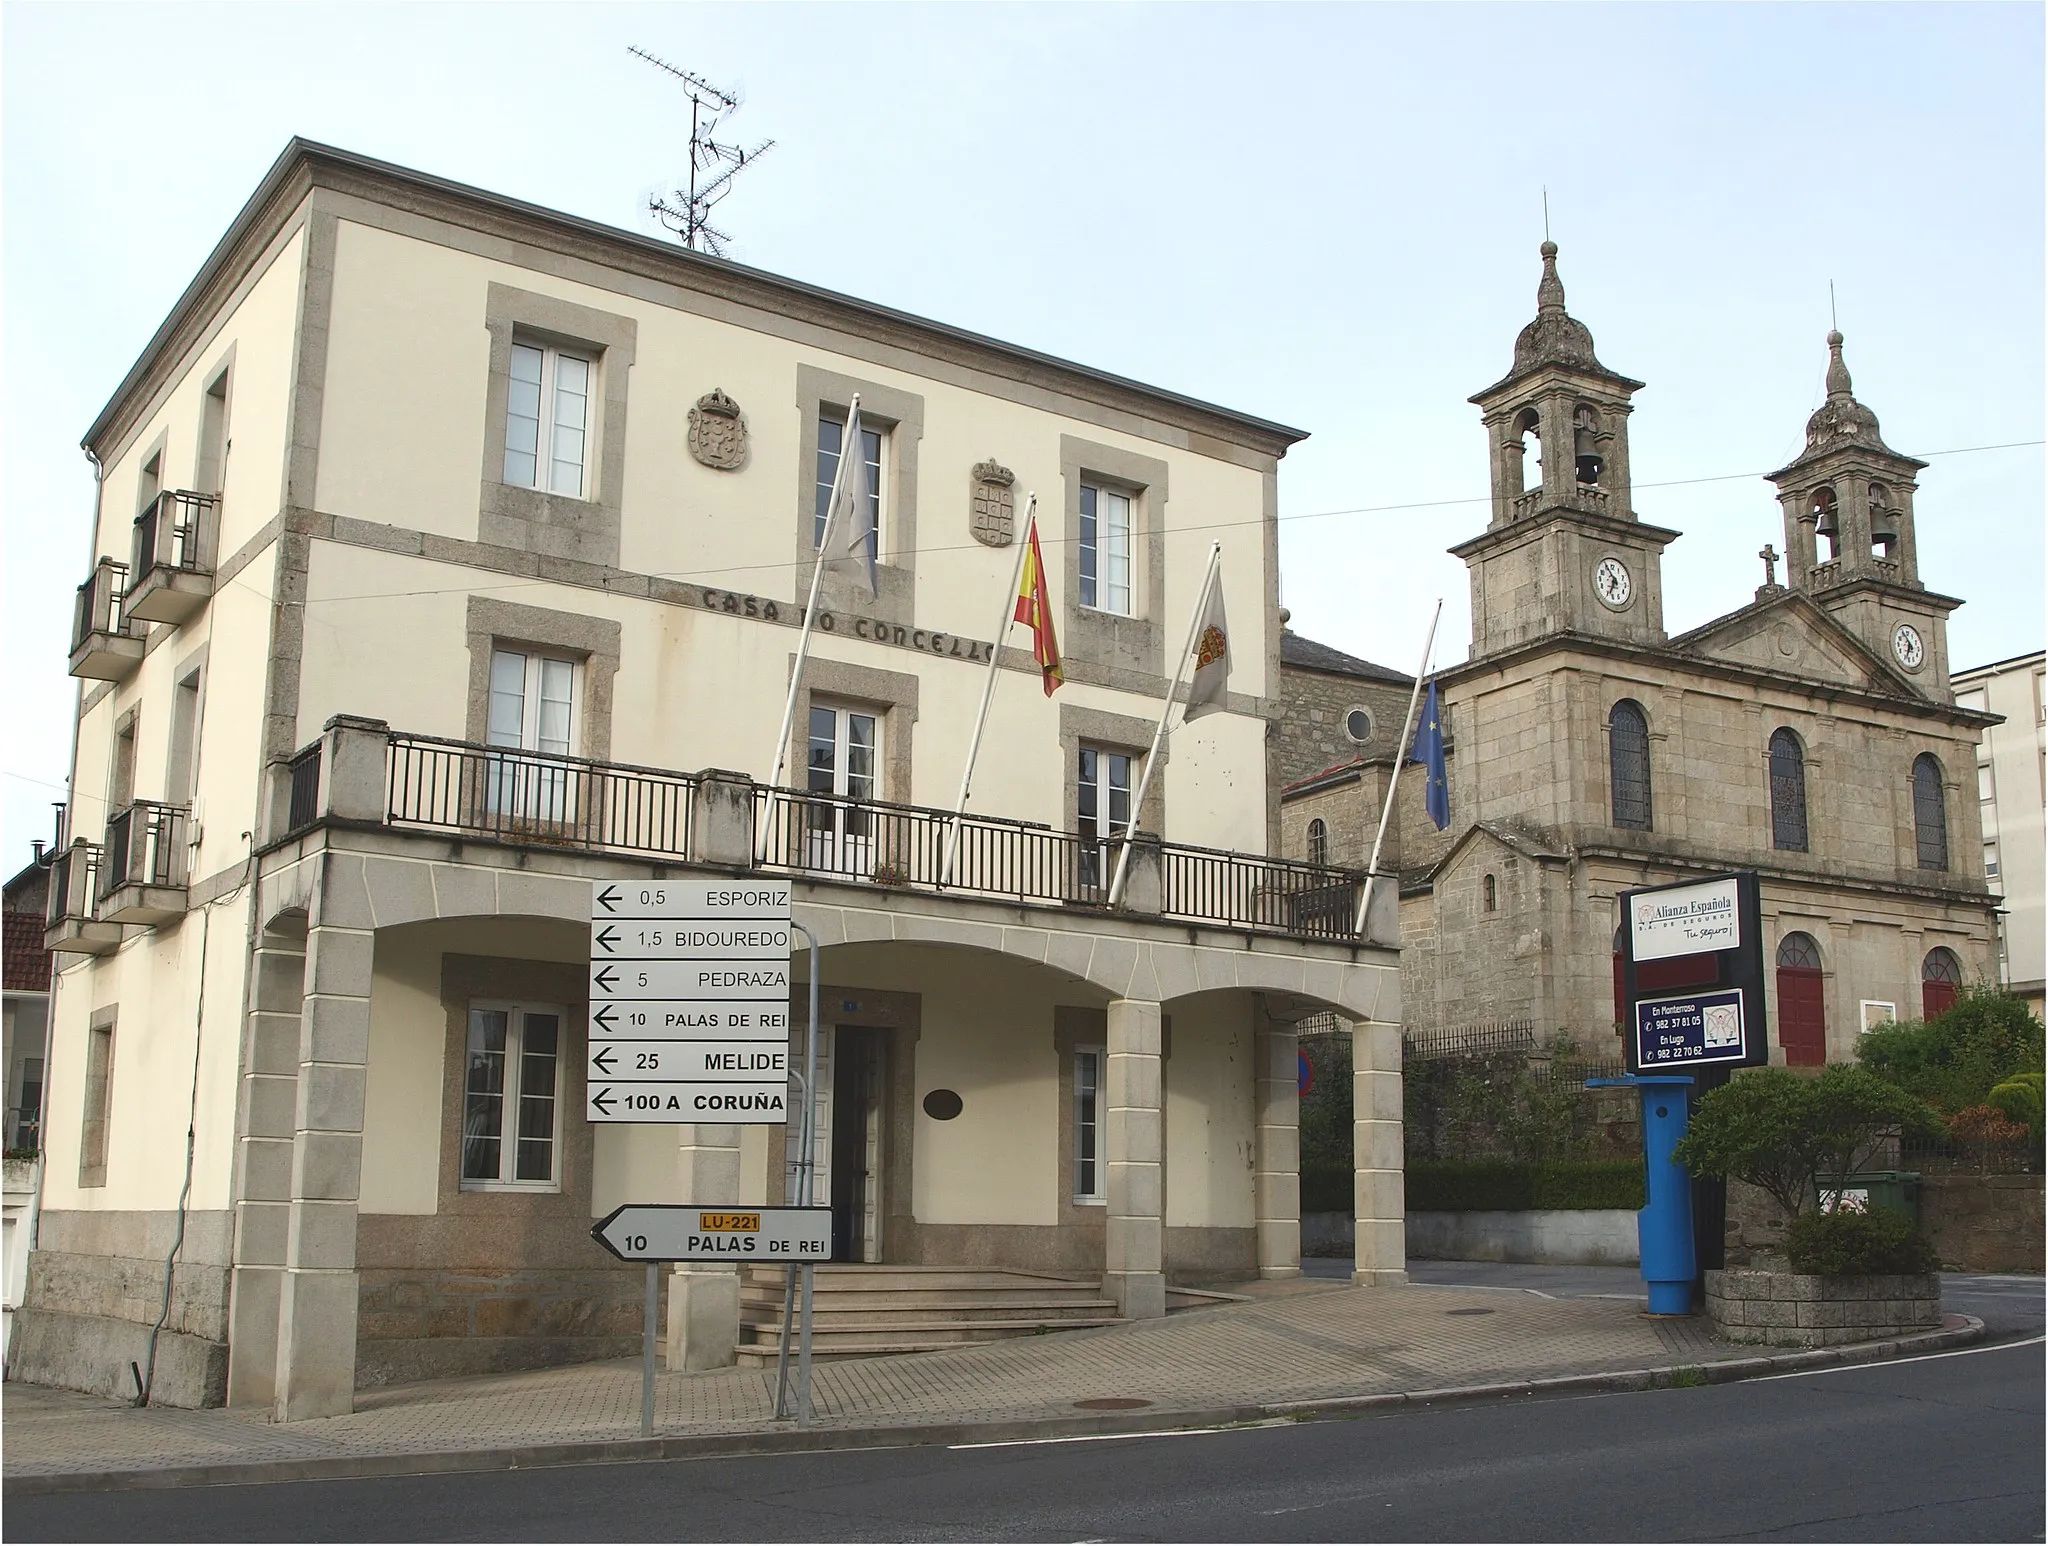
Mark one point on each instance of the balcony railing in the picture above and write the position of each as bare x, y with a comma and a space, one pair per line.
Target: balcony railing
304, 808
172, 567
535, 797
145, 847
105, 646
1246, 891
74, 885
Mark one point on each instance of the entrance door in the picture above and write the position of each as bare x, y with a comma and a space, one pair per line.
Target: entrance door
858, 1057
1802, 1002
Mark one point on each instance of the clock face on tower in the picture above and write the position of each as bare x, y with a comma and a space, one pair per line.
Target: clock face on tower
1611, 580
1907, 647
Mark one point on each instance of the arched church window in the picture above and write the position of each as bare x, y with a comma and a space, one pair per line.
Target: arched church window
1527, 427
1941, 982
1628, 764
1318, 842
1827, 521
1586, 444
1788, 792
1491, 888
1930, 813
1884, 522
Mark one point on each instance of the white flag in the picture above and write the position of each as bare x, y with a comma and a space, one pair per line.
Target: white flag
1212, 655
850, 518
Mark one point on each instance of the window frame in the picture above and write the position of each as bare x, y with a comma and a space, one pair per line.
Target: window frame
1618, 816
878, 475
512, 1095
1097, 1125
1791, 828
546, 426
1930, 814
96, 1108
1096, 852
1096, 588
1093, 636
1318, 841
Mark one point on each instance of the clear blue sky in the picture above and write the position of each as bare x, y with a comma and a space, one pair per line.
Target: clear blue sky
1326, 215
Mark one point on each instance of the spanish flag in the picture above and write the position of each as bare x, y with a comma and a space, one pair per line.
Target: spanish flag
1034, 611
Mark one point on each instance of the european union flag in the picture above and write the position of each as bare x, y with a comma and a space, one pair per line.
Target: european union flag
1429, 751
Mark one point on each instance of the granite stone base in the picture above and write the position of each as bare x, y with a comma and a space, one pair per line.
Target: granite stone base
1798, 1309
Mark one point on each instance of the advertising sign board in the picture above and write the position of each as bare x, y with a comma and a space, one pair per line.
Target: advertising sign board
1692, 973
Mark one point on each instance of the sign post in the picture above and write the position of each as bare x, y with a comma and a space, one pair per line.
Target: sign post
689, 1023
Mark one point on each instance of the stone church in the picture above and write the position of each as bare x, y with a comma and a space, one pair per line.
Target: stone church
1810, 735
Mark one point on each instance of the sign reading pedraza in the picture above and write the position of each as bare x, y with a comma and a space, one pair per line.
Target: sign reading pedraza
926, 641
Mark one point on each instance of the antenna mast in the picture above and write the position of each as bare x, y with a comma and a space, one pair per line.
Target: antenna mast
713, 166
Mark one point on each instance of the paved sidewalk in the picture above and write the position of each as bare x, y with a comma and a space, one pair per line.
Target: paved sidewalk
1297, 1344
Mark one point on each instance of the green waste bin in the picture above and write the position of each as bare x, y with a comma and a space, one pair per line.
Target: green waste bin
1898, 1190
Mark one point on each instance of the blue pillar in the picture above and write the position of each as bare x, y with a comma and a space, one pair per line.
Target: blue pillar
1664, 1226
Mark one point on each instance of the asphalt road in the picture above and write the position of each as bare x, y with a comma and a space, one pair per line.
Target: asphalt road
1942, 1448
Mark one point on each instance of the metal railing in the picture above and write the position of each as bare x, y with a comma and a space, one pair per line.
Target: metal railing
99, 602
905, 845
1486, 1038
67, 883
145, 846
24, 1129
1248, 891
170, 533
304, 808
536, 797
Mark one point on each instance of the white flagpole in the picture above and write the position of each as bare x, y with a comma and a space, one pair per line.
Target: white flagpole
1372, 865
988, 688
803, 643
1123, 858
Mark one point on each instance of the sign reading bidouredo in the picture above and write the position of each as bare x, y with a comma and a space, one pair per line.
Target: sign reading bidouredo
689, 1001
1685, 920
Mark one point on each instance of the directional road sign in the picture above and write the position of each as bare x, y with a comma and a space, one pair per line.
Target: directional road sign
689, 1002
687, 1232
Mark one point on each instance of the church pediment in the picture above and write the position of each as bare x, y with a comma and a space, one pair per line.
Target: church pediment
1790, 635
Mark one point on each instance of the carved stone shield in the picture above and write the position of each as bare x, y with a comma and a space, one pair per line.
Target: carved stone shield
993, 511
718, 433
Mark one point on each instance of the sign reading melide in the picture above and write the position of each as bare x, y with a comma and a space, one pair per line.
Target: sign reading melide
689, 1001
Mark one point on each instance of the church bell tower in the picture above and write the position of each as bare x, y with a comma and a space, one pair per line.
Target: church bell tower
1563, 552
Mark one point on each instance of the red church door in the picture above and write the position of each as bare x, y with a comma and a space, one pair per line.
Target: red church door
1802, 1003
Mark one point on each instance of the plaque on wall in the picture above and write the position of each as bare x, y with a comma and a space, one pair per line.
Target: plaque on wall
718, 432
993, 510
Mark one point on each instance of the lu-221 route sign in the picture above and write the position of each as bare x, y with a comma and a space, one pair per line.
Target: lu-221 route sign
686, 1232
689, 1002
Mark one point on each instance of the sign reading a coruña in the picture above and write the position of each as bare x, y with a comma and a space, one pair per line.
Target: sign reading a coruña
689, 1001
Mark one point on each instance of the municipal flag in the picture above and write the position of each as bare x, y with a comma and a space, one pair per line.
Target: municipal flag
1429, 751
849, 544
1034, 611
1212, 655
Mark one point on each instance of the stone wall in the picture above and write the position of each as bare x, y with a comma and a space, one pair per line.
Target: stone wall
427, 1325
1796, 1309
1984, 1223
1311, 735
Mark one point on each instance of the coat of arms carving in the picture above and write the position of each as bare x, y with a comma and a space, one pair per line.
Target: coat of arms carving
718, 432
993, 512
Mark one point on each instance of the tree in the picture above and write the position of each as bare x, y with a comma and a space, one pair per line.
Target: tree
1954, 1060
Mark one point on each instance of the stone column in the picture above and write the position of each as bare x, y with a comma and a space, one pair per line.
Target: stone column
316, 1324
1133, 1149
1276, 1174
1377, 1201
704, 1301
266, 1121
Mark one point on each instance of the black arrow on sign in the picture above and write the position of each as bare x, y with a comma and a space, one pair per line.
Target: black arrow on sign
604, 1017
601, 1060
603, 1100
608, 899
607, 937
607, 978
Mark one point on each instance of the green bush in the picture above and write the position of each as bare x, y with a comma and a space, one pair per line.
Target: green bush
1955, 1059
1515, 1186
1842, 1244
1787, 1134
1326, 1188
2020, 1100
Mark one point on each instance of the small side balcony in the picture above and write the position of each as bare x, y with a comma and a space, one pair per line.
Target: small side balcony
68, 922
106, 645
142, 864
171, 575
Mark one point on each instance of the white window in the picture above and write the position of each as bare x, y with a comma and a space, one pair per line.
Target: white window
547, 419
1986, 789
1991, 861
1091, 1182
1103, 812
1105, 550
533, 709
831, 439
845, 745
514, 1063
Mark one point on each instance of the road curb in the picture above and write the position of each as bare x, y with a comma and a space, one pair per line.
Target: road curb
786, 1439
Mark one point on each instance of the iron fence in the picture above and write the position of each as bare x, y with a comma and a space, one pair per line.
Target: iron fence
305, 790
145, 846
1486, 1038
536, 797
99, 602
1248, 891
74, 883
170, 533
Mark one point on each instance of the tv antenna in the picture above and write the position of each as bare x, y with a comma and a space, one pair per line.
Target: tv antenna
713, 165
